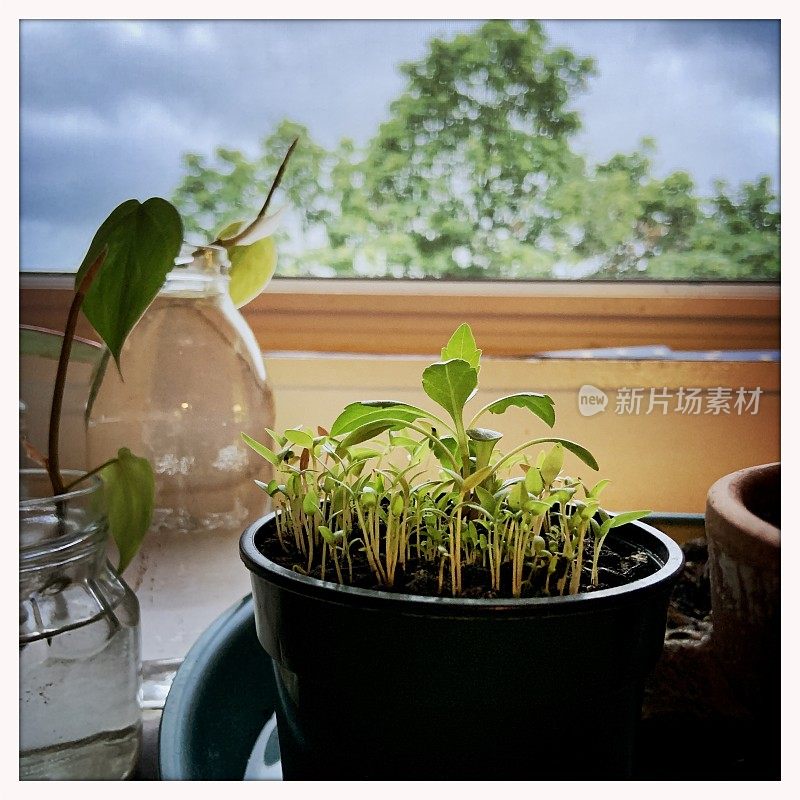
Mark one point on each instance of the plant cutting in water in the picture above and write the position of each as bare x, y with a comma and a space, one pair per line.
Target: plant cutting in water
513, 518
121, 274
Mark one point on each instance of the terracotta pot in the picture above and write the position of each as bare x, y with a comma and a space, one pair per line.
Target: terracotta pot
720, 695
743, 531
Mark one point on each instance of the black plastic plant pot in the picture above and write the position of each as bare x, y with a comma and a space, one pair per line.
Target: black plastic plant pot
380, 685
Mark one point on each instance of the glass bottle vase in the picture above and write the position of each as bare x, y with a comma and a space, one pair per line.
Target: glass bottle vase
193, 380
78, 639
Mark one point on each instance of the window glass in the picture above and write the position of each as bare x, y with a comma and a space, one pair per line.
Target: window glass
454, 150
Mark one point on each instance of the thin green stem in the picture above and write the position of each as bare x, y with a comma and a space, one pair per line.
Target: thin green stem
89, 474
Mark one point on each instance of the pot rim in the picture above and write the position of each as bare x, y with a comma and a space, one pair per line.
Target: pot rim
89, 485
259, 565
726, 500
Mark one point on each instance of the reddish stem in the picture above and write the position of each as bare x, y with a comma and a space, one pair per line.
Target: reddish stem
53, 467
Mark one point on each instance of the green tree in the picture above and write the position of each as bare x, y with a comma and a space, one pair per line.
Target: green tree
738, 239
473, 176
472, 147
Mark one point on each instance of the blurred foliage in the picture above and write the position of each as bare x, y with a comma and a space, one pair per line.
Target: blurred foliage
473, 176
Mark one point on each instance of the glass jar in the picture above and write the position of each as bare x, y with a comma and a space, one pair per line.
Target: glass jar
194, 380
78, 639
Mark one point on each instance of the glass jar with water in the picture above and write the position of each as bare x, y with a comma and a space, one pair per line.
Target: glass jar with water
78, 639
193, 380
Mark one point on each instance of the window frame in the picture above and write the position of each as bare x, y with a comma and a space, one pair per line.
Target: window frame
509, 318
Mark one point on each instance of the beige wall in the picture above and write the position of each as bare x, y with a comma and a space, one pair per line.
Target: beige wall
662, 462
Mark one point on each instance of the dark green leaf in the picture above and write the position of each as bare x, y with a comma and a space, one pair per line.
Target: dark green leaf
143, 240
129, 494
539, 404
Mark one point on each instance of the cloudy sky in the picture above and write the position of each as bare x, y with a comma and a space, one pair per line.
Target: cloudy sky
107, 108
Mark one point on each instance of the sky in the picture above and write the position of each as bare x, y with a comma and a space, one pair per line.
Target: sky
107, 108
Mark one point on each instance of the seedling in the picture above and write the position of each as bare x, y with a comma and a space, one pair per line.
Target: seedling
506, 514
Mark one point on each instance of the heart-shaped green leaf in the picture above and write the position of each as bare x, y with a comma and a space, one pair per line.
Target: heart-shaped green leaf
142, 241
451, 384
539, 404
129, 493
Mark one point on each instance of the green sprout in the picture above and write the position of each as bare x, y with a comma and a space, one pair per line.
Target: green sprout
514, 515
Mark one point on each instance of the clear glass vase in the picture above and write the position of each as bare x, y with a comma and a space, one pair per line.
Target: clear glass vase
78, 639
194, 380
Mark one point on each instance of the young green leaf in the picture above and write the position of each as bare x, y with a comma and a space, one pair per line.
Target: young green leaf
517, 497
623, 519
299, 437
445, 450
397, 505
462, 345
582, 453
539, 404
328, 535
310, 503
357, 414
487, 500
451, 384
471, 481
533, 481
456, 478
252, 267
537, 507
483, 441
261, 449
598, 487
362, 434
129, 494
552, 464
142, 241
